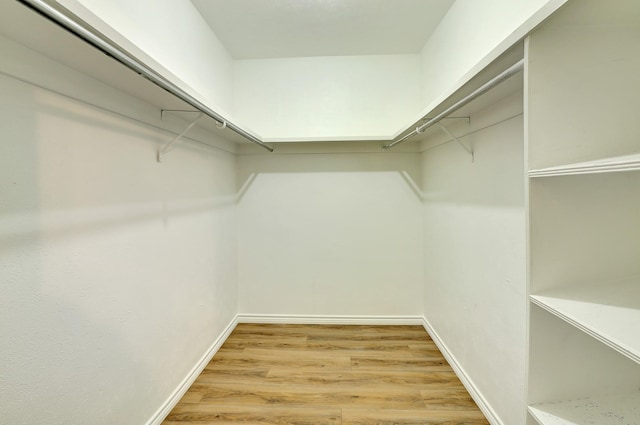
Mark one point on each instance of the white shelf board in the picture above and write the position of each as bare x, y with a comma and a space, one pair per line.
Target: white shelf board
610, 312
605, 165
607, 410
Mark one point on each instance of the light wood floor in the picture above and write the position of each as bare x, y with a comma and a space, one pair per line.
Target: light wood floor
317, 374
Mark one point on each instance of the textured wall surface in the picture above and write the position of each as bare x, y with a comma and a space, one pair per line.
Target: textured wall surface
329, 234
117, 273
474, 258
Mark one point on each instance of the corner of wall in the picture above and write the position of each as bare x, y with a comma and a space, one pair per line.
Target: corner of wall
164, 410
466, 380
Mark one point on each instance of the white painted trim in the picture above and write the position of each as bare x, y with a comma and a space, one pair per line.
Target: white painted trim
186, 383
606, 165
468, 383
329, 320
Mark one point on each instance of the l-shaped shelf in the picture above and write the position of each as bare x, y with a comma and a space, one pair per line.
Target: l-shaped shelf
608, 312
621, 409
158, 86
606, 165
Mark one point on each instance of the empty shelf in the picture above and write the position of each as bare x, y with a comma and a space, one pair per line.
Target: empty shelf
609, 312
607, 410
606, 165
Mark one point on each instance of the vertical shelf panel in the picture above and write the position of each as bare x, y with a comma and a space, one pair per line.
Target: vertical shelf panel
583, 78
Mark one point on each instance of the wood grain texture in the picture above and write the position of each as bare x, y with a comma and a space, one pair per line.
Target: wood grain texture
327, 374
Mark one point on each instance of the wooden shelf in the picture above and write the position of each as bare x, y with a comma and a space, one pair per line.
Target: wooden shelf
607, 410
609, 312
606, 165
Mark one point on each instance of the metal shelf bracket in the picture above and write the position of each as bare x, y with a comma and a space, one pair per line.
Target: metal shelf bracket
469, 149
162, 152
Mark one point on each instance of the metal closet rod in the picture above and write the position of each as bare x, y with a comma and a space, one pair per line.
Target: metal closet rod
132, 63
505, 75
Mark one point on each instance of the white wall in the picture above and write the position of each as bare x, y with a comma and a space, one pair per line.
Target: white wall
474, 256
329, 234
327, 98
471, 35
176, 36
117, 272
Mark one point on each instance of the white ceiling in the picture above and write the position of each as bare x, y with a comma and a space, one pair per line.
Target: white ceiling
252, 29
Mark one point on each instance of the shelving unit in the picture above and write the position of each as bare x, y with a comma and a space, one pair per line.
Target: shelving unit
584, 216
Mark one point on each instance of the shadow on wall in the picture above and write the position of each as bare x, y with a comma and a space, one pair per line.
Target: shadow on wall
57, 362
442, 174
408, 165
87, 319
157, 193
329, 234
495, 178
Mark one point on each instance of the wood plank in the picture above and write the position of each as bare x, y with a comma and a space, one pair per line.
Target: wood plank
329, 344
191, 397
287, 358
233, 414
455, 398
412, 417
333, 395
363, 362
316, 354
356, 377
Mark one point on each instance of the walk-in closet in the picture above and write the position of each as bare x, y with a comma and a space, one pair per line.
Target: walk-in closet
319, 211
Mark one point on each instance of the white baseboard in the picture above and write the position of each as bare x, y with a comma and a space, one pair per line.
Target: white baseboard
329, 320
477, 396
186, 383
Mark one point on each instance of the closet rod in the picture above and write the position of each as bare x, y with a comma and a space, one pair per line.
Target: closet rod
132, 63
505, 75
